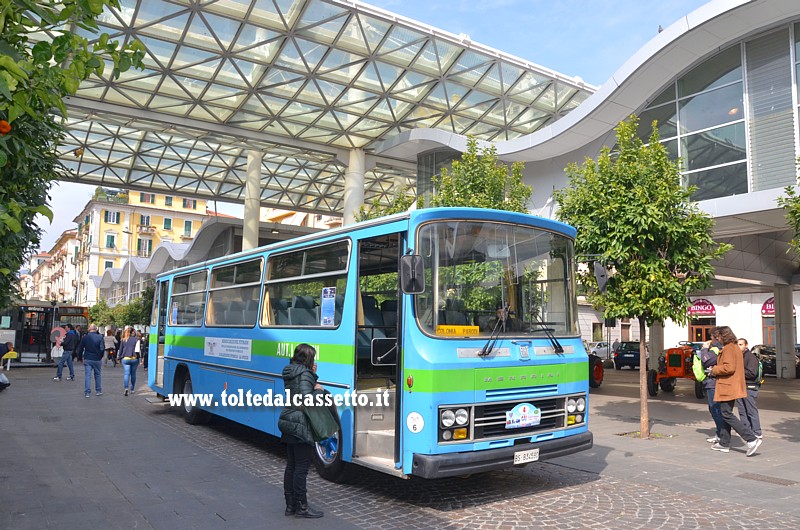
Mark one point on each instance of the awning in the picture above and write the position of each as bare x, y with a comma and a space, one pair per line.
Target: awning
702, 308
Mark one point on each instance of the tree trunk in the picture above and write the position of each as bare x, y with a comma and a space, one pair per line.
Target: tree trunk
644, 417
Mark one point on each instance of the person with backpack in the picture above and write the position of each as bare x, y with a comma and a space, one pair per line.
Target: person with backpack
753, 372
708, 356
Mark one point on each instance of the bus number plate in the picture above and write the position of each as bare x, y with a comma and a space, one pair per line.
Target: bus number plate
523, 457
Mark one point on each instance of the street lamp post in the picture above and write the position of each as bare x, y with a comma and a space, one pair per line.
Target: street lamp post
130, 241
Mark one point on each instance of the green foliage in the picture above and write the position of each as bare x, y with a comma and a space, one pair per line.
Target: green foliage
101, 314
402, 202
632, 211
35, 77
480, 180
791, 206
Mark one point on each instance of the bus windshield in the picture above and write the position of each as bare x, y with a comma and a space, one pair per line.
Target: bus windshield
485, 278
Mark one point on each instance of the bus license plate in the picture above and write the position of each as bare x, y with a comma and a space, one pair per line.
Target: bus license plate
523, 457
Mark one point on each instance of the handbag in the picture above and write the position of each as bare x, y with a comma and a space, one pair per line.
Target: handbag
323, 424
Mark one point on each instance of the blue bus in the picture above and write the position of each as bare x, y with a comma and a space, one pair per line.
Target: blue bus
450, 336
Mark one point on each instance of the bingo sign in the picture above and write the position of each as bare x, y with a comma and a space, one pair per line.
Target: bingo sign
523, 415
702, 308
768, 308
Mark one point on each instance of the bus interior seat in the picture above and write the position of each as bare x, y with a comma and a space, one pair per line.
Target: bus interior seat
280, 311
373, 320
455, 312
234, 315
303, 312
389, 312
338, 307
250, 311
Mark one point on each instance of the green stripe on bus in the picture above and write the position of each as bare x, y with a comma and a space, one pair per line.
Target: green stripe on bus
329, 353
493, 378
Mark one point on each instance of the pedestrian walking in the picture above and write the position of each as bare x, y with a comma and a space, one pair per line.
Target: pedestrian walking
110, 344
708, 355
90, 350
130, 352
729, 372
299, 379
748, 410
68, 344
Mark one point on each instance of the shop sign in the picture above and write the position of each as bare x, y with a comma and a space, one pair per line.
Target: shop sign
702, 308
768, 308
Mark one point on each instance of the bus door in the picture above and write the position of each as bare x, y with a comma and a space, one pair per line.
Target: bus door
377, 331
160, 320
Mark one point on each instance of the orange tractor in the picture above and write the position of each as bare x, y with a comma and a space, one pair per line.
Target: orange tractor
675, 363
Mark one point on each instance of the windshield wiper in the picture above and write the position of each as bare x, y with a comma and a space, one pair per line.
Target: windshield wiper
489, 346
557, 348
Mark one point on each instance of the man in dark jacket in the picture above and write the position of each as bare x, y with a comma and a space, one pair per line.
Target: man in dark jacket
299, 380
748, 411
91, 350
69, 342
708, 354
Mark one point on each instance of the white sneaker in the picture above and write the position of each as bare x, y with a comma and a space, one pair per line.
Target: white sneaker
720, 448
713, 439
753, 446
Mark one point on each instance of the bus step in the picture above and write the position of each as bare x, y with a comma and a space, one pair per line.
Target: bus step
385, 465
378, 444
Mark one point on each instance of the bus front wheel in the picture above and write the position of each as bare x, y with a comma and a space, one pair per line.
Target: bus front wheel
328, 457
193, 414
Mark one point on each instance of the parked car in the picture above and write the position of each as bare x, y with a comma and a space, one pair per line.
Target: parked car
601, 349
766, 353
627, 354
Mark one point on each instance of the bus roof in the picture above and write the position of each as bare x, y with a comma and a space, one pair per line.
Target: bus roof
417, 216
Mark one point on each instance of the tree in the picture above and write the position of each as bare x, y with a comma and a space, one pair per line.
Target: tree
791, 205
42, 61
101, 314
480, 180
630, 211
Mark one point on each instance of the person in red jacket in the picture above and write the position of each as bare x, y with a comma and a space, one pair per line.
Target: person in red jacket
729, 372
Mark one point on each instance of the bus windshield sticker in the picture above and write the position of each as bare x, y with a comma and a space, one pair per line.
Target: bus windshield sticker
458, 331
228, 348
523, 415
327, 309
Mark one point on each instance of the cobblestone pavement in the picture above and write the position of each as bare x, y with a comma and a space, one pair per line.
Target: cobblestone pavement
671, 482
543, 495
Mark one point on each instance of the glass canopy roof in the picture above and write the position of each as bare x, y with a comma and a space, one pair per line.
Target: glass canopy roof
303, 81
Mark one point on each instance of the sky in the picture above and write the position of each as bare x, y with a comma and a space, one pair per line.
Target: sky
589, 39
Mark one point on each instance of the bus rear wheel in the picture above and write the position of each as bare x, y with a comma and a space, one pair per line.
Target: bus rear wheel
193, 414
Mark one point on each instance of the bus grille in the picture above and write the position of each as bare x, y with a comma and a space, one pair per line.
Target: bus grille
503, 394
490, 419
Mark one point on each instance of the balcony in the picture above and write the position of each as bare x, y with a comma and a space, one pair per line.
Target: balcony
145, 229
186, 237
143, 253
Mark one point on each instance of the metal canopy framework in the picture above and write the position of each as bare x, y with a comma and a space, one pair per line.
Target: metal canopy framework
304, 82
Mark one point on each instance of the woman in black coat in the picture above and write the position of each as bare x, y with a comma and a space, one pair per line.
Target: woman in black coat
299, 379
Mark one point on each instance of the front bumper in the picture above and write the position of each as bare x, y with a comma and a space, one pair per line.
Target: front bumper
456, 464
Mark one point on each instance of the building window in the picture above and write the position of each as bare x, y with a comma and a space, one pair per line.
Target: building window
167, 201
167, 223
147, 198
187, 228
144, 220
144, 247
111, 217
110, 241
190, 204
108, 264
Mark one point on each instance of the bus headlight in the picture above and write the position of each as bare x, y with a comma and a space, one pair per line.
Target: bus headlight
581, 404
572, 405
448, 418
462, 416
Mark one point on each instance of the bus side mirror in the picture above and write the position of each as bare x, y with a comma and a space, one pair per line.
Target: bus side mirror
412, 274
